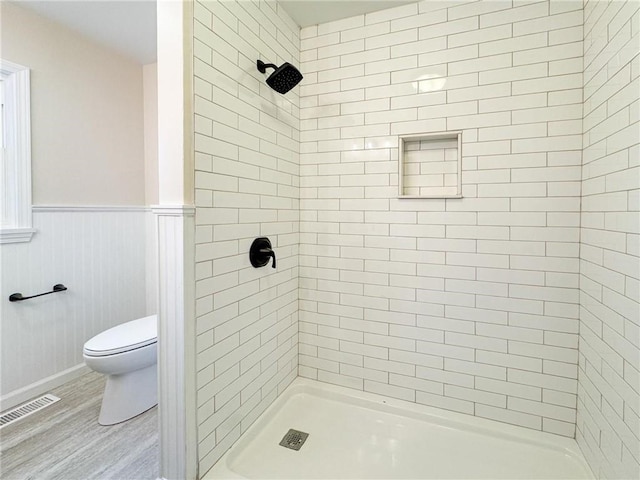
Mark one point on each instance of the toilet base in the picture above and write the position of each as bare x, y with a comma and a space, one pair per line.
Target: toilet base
129, 394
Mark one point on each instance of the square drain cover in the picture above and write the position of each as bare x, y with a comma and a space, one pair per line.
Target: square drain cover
294, 439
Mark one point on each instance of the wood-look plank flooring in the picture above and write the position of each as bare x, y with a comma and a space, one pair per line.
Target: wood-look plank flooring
65, 442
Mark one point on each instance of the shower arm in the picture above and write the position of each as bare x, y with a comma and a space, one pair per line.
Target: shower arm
262, 67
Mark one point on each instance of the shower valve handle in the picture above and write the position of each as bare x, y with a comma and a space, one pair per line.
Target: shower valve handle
270, 253
261, 252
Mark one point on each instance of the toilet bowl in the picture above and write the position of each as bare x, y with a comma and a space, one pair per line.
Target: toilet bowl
127, 354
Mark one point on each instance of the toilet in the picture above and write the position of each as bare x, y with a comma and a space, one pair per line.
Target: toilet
128, 355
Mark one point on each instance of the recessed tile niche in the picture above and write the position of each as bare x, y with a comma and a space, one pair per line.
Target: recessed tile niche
430, 165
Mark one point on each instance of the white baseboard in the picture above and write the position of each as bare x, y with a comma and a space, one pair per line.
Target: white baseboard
23, 394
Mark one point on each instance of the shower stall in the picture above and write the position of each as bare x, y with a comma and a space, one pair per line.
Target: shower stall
514, 300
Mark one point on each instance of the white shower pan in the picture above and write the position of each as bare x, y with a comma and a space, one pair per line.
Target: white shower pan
354, 434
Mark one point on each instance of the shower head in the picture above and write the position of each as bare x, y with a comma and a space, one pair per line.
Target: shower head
285, 77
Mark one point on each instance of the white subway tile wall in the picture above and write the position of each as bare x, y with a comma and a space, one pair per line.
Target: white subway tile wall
608, 422
475, 304
247, 186
466, 304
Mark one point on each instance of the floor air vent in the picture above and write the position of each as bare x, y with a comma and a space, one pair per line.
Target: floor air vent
294, 439
27, 409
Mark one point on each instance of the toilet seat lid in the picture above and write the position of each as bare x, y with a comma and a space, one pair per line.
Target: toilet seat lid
124, 337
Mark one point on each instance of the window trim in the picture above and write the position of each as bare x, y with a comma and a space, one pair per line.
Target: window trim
16, 188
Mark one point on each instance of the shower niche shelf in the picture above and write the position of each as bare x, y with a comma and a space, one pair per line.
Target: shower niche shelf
430, 165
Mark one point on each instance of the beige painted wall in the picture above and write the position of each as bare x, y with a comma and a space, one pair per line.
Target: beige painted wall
86, 114
150, 78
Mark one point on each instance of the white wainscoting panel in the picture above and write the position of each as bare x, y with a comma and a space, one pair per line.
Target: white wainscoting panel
176, 345
99, 254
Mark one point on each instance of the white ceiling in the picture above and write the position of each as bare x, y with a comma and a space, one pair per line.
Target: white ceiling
129, 26
312, 12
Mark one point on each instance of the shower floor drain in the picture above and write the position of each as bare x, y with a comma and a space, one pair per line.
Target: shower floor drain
294, 439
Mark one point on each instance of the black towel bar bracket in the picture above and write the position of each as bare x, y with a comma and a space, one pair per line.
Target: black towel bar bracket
17, 297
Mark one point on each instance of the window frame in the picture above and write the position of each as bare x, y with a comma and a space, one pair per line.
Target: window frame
16, 220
